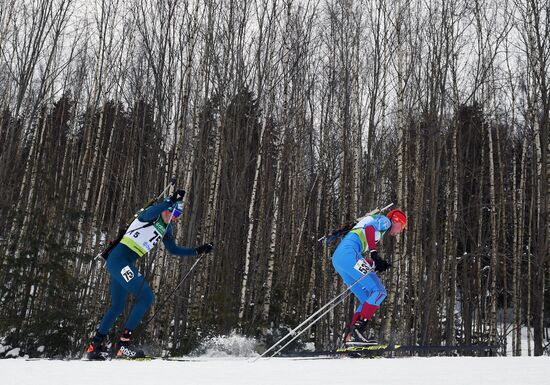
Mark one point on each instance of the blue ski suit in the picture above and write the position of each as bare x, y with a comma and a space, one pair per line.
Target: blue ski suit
363, 238
125, 278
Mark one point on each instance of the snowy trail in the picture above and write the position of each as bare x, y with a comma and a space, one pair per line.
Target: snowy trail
282, 371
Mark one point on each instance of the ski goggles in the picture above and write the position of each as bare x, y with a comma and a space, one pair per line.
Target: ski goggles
177, 210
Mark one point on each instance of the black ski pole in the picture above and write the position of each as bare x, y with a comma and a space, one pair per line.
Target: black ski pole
160, 307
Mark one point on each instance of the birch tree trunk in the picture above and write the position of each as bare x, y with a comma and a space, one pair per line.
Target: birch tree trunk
494, 240
274, 225
244, 282
401, 178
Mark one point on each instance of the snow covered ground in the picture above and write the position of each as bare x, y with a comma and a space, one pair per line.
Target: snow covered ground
283, 371
226, 360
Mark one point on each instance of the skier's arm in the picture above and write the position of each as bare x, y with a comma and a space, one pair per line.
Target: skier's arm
381, 223
371, 240
152, 213
174, 249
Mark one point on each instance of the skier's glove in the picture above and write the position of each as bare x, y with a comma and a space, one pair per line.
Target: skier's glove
177, 196
379, 264
206, 248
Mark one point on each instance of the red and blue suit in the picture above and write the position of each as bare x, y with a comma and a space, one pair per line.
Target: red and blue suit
362, 239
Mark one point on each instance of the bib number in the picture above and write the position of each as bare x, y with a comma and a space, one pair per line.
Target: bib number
153, 240
127, 273
143, 236
362, 266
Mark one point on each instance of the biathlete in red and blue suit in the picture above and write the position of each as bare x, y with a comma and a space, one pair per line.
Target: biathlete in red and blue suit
357, 271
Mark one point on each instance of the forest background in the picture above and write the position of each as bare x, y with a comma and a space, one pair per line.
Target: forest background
282, 120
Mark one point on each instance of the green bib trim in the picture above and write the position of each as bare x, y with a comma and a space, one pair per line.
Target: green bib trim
133, 246
363, 238
141, 237
361, 234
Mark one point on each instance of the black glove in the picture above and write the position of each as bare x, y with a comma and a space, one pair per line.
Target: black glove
177, 196
379, 264
206, 248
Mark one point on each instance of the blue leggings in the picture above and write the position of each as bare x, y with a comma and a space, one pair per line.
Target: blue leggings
125, 279
369, 289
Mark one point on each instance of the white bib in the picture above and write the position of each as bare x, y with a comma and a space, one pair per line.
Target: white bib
141, 237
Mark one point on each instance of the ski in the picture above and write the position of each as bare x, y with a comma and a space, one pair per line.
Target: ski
364, 351
106, 359
367, 348
377, 350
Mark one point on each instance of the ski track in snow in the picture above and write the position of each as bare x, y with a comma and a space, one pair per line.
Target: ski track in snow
283, 371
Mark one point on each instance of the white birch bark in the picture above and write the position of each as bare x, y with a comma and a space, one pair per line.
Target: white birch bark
250, 231
494, 239
214, 184
280, 142
400, 121
311, 292
30, 176
89, 178
274, 226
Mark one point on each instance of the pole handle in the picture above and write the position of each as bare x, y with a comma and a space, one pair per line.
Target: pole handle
172, 183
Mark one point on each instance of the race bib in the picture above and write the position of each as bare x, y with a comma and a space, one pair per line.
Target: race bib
127, 273
141, 237
362, 266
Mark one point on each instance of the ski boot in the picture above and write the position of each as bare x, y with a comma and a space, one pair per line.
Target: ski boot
96, 350
123, 349
359, 335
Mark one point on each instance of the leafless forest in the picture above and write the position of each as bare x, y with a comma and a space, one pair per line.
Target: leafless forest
282, 120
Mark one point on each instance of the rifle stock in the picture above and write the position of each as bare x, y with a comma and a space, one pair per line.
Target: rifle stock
372, 212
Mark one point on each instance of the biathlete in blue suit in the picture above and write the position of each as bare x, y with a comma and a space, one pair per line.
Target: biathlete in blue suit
359, 272
143, 234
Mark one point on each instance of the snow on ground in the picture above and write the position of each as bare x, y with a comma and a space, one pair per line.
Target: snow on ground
227, 360
283, 371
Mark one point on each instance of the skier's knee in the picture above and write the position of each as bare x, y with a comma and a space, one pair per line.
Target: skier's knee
117, 307
377, 297
147, 297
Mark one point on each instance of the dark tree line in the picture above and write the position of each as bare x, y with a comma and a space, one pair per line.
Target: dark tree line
282, 120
